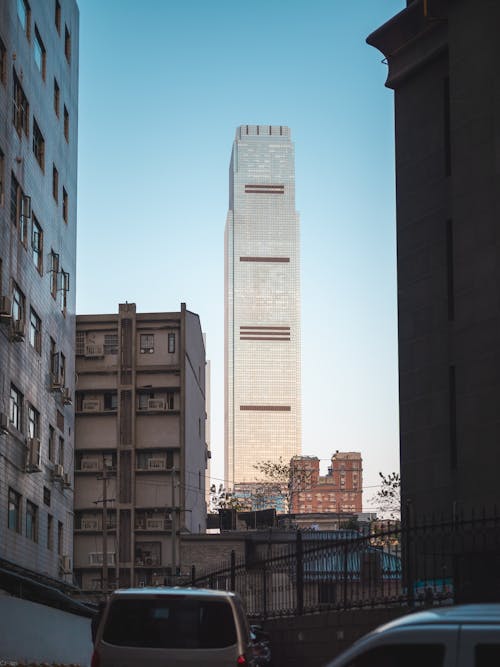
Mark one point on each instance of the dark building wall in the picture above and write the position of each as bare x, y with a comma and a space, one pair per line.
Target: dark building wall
444, 60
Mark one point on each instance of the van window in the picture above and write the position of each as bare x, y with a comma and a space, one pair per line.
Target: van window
396, 655
487, 655
170, 622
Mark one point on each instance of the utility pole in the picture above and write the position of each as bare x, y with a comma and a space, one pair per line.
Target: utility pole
104, 478
173, 521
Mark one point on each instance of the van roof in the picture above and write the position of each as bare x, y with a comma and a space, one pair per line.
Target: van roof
464, 613
149, 591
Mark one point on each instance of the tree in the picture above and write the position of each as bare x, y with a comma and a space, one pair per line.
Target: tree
222, 499
280, 485
388, 497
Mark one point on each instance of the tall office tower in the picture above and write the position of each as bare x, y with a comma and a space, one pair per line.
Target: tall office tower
140, 442
262, 304
38, 180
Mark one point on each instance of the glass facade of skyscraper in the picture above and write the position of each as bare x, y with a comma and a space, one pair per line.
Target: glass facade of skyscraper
262, 304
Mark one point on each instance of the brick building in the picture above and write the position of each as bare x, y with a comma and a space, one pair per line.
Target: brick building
340, 490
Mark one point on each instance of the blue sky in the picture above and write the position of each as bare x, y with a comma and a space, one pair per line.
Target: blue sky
163, 86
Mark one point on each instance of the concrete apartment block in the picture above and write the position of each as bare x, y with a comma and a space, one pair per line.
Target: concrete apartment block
140, 444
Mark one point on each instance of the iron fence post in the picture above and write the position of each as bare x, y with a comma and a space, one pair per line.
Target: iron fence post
233, 570
300, 574
193, 575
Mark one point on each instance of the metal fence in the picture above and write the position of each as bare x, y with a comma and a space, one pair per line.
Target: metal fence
428, 563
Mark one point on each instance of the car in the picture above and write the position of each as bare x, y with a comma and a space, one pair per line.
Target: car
149, 627
455, 636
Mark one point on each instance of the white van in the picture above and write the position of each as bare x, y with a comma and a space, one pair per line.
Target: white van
460, 636
149, 627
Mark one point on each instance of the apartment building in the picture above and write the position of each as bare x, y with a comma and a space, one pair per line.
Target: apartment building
38, 172
339, 491
140, 446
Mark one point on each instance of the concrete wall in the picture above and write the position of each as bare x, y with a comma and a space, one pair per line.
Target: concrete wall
32, 632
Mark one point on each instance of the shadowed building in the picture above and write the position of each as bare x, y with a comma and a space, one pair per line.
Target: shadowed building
262, 304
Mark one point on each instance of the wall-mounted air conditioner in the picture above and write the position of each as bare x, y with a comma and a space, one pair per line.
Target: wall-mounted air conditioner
90, 524
33, 456
67, 480
66, 396
155, 524
58, 471
156, 404
91, 405
90, 464
5, 307
93, 351
156, 464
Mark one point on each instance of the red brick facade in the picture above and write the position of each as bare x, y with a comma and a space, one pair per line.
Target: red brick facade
341, 490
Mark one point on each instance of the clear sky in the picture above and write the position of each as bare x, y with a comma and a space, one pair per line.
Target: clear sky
163, 86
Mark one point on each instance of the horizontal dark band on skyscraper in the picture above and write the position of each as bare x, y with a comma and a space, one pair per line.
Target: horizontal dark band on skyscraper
266, 408
264, 328
263, 338
264, 259
265, 188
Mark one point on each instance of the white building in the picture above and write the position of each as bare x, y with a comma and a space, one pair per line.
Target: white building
262, 304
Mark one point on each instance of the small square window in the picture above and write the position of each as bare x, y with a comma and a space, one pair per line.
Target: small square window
147, 343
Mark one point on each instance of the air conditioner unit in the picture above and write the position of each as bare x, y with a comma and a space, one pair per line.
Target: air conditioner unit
56, 383
5, 307
4, 422
156, 464
58, 471
155, 524
90, 524
66, 396
97, 558
67, 480
156, 404
93, 351
90, 464
91, 405
18, 331
65, 564
33, 457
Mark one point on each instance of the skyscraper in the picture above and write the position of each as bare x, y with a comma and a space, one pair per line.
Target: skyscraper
262, 304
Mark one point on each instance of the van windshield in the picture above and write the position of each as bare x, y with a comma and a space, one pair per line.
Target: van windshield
170, 622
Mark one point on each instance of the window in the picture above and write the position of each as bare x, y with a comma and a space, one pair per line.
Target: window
80, 344
20, 108
60, 458
110, 401
18, 304
14, 520
35, 332
147, 343
66, 124
54, 360
16, 408
37, 245
55, 183
31, 521
24, 14
111, 343
50, 532
39, 53
67, 44
52, 443
33, 422
171, 343
46, 496
63, 288
57, 16
20, 209
54, 271
60, 538
65, 205
57, 97
38, 145
3, 63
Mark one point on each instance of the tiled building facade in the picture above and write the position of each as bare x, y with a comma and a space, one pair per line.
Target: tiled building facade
38, 181
140, 424
339, 491
262, 304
